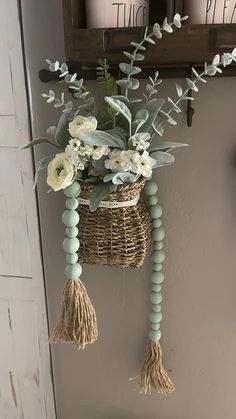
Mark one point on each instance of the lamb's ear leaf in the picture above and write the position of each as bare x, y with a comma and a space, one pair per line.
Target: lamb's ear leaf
120, 178
101, 138
119, 107
100, 191
41, 165
165, 147
62, 135
162, 159
41, 141
153, 107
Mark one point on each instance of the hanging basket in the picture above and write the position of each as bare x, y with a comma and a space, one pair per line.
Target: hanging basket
115, 236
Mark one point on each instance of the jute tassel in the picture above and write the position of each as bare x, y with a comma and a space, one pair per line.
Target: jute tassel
153, 374
77, 323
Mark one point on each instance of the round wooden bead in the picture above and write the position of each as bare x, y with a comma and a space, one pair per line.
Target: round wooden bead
73, 190
157, 277
151, 188
155, 326
156, 223
157, 267
158, 234
155, 335
156, 211
158, 256
156, 308
72, 203
156, 297
156, 287
70, 218
71, 245
155, 317
152, 200
73, 271
72, 232
158, 246
71, 259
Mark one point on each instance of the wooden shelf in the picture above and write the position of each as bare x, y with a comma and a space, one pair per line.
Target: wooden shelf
173, 55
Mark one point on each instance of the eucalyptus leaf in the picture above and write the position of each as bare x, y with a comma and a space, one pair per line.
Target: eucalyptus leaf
128, 55
124, 83
179, 89
100, 191
134, 84
101, 138
51, 132
119, 107
138, 46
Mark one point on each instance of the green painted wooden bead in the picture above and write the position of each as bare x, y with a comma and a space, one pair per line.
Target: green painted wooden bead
156, 287
71, 259
158, 256
72, 203
156, 297
156, 211
152, 200
156, 223
70, 218
158, 246
72, 232
157, 277
155, 317
157, 267
156, 308
71, 245
155, 326
73, 190
73, 271
158, 234
155, 335
151, 188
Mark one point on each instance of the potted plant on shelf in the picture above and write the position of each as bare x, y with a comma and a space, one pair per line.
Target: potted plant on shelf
104, 158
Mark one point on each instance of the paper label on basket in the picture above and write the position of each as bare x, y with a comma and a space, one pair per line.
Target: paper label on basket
112, 204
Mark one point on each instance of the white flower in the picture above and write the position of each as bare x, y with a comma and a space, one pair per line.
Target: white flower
140, 141
78, 162
99, 151
120, 160
82, 124
85, 150
114, 153
143, 164
126, 158
60, 172
73, 145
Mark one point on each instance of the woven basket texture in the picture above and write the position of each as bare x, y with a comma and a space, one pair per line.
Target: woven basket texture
115, 236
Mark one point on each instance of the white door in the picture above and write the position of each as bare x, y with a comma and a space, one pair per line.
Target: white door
26, 390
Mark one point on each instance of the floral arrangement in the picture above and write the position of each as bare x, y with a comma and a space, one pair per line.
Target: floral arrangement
106, 145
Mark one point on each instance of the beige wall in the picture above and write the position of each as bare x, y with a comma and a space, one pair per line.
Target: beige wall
199, 326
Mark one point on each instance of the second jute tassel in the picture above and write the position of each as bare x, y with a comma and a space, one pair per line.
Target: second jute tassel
153, 376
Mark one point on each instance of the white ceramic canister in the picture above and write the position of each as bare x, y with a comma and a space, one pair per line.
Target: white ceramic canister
117, 14
211, 11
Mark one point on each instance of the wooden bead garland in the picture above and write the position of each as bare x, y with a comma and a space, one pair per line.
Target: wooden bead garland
153, 374
78, 321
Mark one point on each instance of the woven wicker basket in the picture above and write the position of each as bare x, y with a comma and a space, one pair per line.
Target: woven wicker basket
115, 236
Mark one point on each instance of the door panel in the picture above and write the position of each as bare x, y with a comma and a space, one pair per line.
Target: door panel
26, 389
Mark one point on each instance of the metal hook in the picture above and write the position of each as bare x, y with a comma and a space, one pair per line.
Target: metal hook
190, 109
